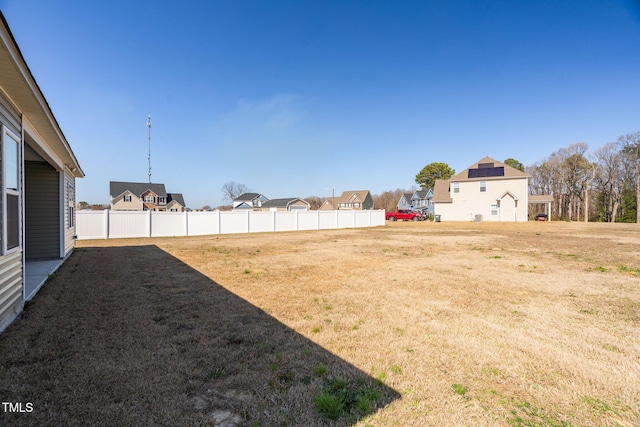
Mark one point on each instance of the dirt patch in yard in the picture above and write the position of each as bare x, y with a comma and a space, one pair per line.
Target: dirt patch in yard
437, 323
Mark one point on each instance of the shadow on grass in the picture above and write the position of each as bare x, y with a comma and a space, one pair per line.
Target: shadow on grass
133, 336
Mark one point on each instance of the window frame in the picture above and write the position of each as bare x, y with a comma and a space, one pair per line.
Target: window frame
483, 186
5, 134
456, 187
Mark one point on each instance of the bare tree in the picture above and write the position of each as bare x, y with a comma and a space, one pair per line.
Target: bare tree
388, 200
608, 177
231, 190
631, 148
315, 202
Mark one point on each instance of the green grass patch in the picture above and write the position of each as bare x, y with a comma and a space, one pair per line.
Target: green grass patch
340, 398
597, 405
321, 370
527, 415
459, 389
625, 269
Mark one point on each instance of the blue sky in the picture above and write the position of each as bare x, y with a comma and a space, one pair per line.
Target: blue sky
294, 97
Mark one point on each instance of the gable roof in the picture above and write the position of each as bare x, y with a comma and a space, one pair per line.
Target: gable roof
247, 197
488, 169
360, 196
282, 203
423, 193
244, 205
138, 188
177, 197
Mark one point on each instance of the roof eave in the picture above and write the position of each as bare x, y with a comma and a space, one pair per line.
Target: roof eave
21, 88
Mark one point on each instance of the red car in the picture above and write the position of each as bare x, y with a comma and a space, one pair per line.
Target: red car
402, 214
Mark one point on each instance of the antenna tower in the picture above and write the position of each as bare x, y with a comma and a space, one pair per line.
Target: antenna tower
149, 158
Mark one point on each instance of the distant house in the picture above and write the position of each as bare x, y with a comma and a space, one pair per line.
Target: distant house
175, 202
249, 201
353, 200
405, 201
38, 185
142, 196
422, 200
488, 190
292, 204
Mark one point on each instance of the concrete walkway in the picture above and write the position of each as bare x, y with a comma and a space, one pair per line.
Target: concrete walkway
36, 273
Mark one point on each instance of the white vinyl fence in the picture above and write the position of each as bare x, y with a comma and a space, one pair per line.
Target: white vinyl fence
121, 224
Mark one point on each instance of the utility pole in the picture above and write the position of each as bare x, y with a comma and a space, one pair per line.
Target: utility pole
149, 158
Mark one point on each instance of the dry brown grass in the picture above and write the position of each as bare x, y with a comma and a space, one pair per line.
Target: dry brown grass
534, 324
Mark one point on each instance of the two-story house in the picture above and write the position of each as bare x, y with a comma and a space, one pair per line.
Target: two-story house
488, 190
422, 200
142, 196
352, 200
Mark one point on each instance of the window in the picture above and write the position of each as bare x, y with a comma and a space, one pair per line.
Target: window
494, 209
149, 199
10, 191
456, 187
161, 200
127, 198
483, 186
71, 207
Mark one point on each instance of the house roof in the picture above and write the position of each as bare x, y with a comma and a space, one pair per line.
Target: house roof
360, 196
244, 205
540, 198
423, 193
138, 188
282, 203
488, 169
23, 90
244, 197
175, 197
441, 192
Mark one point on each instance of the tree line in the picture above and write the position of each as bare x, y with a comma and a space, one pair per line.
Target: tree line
600, 186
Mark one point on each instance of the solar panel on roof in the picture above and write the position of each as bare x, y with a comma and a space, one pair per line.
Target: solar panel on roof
486, 172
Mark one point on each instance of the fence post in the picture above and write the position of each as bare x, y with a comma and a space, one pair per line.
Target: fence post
318, 219
273, 215
186, 223
106, 223
149, 222
297, 221
248, 222
337, 225
219, 223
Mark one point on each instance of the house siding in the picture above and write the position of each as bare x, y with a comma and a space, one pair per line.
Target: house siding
9, 116
10, 287
11, 277
70, 213
134, 205
42, 218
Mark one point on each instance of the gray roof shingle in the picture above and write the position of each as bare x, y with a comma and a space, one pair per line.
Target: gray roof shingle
138, 188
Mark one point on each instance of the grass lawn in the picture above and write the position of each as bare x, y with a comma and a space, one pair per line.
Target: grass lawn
411, 324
